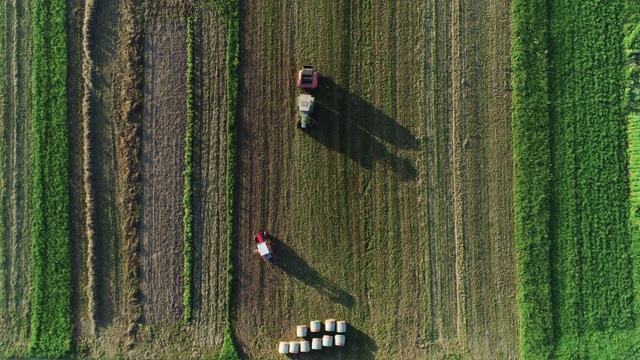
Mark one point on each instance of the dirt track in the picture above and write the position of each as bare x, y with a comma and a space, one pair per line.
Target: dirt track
163, 147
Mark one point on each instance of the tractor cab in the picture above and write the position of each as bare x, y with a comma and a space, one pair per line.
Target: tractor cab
305, 106
308, 78
264, 245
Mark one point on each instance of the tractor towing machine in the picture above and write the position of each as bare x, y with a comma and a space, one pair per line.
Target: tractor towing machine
307, 81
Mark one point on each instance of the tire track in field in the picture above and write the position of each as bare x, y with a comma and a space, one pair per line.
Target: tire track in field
440, 200
163, 145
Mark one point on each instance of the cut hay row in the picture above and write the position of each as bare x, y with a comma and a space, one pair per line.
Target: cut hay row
230, 11
87, 181
130, 124
532, 174
51, 331
188, 182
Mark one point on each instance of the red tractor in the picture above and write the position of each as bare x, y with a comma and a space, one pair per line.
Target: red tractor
308, 78
264, 245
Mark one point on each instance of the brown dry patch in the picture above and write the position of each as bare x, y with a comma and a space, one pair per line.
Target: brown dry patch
163, 147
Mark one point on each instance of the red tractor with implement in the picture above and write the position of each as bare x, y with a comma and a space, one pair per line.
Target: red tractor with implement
307, 80
264, 245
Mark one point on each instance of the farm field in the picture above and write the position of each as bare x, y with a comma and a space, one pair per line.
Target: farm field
16, 150
467, 190
394, 212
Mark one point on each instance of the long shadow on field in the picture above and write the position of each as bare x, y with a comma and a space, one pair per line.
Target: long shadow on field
346, 123
292, 264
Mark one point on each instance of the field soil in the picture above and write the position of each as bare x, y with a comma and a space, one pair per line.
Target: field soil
16, 180
129, 281
163, 147
394, 212
209, 180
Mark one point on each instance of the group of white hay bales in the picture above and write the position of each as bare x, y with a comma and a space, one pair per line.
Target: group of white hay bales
304, 346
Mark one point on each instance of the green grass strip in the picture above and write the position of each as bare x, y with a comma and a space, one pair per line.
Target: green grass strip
592, 291
532, 174
632, 98
51, 331
230, 10
188, 184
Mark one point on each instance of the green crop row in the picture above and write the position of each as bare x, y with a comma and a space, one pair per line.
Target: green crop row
51, 331
230, 11
532, 175
591, 268
574, 251
632, 97
188, 184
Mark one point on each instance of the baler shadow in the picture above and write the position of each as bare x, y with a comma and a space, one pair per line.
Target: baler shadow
346, 123
293, 265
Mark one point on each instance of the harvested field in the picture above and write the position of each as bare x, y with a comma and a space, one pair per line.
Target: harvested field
16, 174
209, 194
442, 209
110, 133
407, 120
163, 136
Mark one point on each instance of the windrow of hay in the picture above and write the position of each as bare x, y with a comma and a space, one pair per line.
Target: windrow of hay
89, 200
130, 134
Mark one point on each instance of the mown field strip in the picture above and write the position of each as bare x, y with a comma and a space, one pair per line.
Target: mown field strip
51, 272
16, 206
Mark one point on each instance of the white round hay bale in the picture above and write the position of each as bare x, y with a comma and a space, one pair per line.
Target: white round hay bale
327, 341
301, 330
316, 344
341, 326
294, 347
284, 347
315, 326
330, 325
305, 346
340, 340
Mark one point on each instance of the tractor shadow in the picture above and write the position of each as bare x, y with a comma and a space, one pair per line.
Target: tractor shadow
293, 265
346, 123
